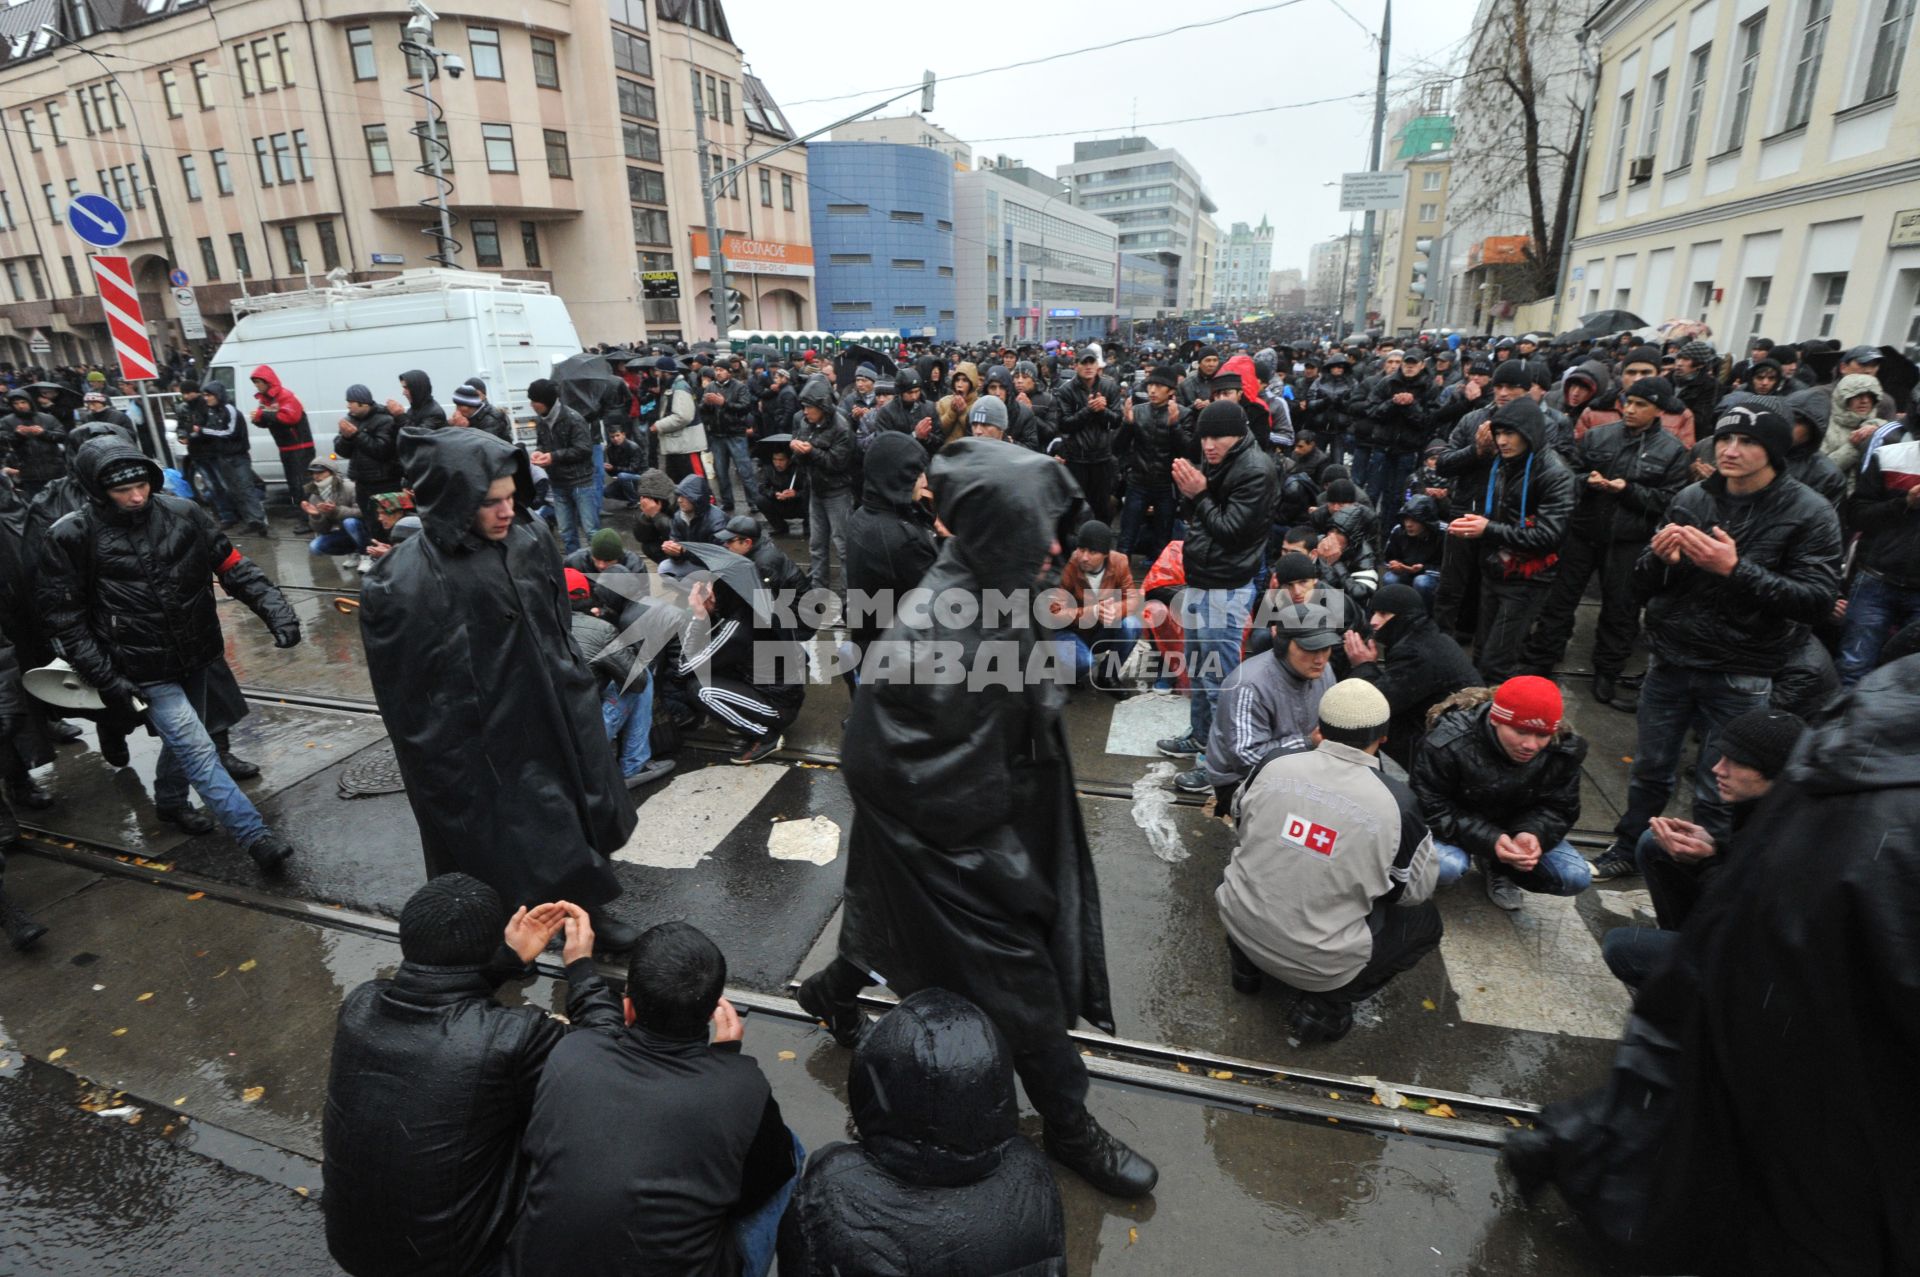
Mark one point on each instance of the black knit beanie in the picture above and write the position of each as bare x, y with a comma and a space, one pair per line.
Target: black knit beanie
454, 921
1773, 431
1222, 420
1761, 739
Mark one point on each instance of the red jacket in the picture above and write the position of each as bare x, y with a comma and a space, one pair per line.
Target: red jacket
281, 413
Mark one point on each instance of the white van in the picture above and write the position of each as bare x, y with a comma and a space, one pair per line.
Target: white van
450, 324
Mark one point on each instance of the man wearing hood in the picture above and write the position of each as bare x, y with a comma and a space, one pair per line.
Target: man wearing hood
421, 411
1853, 421
1028, 390
126, 591
939, 1180
1519, 527
890, 539
946, 776
1743, 563
1627, 473
32, 444
675, 423
1811, 408
476, 606
1414, 663
283, 416
1801, 963
953, 412
330, 503
1021, 426
908, 413
823, 449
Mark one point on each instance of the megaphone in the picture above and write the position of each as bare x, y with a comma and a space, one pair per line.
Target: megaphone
57, 685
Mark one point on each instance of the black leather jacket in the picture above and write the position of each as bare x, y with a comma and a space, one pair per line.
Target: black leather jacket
1470, 792
1227, 525
1087, 435
1654, 464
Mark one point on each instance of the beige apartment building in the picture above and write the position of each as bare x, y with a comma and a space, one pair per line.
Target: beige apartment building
281, 145
1754, 166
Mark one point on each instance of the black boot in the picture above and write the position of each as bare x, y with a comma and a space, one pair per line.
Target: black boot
189, 818
1316, 1019
844, 1020
611, 935
1246, 977
1603, 688
1529, 1155
113, 747
22, 932
30, 793
63, 731
1092, 1152
271, 852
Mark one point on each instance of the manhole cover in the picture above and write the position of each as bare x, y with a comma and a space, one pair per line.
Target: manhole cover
376, 771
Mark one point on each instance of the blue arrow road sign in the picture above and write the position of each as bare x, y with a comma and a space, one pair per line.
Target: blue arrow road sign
97, 220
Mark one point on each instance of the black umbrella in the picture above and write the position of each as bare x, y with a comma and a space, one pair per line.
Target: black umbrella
1898, 376
584, 381
1611, 321
736, 573
1824, 360
848, 362
59, 392
767, 445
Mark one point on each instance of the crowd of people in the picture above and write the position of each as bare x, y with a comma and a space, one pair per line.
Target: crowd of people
1361, 562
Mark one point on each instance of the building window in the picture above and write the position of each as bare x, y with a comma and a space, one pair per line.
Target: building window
483, 44
634, 14
283, 156
108, 92
360, 49
34, 277
642, 141
242, 264
283, 57
1747, 47
209, 260
665, 310
303, 150
1828, 292
190, 176
726, 102
26, 124
559, 162
1759, 290
329, 244
1656, 112
222, 175
650, 226
264, 66
52, 196
6, 212
646, 185
290, 241
786, 191
486, 241
632, 53
1430, 180
1889, 47
713, 98
1806, 66
946, 272
444, 148
847, 210
243, 56
170, 92
636, 99
1622, 128
906, 215
546, 63
852, 308
909, 263
1697, 66
13, 281
379, 153
202, 85
910, 310
943, 224
766, 189
850, 259
498, 140
1429, 212
263, 156
1702, 299
73, 275
530, 243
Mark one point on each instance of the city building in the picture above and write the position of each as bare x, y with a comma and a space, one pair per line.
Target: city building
1287, 289
1029, 264
906, 130
276, 151
1154, 196
1754, 168
1411, 239
1333, 265
883, 237
1240, 281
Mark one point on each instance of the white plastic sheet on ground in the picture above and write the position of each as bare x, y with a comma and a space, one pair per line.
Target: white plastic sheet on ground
1152, 811
815, 840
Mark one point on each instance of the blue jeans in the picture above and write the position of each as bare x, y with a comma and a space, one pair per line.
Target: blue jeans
630, 712
621, 488
1387, 482
1360, 463
727, 453
578, 514
754, 1235
349, 538
1426, 584
1078, 644
1634, 954
1562, 871
188, 756
1133, 513
1674, 700
1214, 621
1874, 611
234, 473
599, 477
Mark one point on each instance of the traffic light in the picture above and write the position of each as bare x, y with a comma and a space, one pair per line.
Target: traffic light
736, 308
1422, 263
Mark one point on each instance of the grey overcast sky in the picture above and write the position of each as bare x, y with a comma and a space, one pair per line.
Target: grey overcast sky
1274, 54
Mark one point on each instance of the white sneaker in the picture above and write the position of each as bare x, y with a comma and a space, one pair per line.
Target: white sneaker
366, 563
345, 562
1505, 892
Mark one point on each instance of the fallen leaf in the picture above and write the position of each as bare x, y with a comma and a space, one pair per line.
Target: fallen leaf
119, 1033
1415, 1103
182, 1100
1426, 1004
1442, 1110
1373, 1099
1333, 1095
98, 987
1184, 1068
249, 964
303, 1190
220, 973
1334, 1120
145, 997
788, 1055
167, 1129
56, 1053
1626, 758
1513, 1121
200, 953
253, 1093
1220, 1075
198, 895
1133, 1236
136, 1119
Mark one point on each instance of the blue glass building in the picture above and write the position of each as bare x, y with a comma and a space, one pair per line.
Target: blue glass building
882, 218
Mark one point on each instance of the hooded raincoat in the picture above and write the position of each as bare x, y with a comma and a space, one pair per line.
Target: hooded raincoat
1842, 421
890, 542
968, 864
494, 713
941, 1183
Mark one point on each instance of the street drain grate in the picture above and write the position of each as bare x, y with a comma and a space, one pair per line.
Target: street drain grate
377, 771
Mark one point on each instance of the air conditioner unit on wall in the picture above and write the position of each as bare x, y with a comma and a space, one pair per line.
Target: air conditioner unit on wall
1640, 169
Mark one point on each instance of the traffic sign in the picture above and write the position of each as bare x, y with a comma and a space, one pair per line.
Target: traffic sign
1064, 312
178, 278
113, 276
39, 344
1372, 192
97, 220
192, 326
